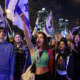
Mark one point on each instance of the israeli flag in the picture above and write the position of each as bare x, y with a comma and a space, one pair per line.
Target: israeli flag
36, 26
14, 9
74, 29
48, 28
3, 20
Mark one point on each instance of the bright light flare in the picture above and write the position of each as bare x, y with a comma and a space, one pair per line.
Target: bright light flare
43, 9
7, 10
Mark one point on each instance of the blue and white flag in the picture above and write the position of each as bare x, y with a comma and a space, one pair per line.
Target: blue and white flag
3, 20
48, 26
14, 9
36, 26
74, 29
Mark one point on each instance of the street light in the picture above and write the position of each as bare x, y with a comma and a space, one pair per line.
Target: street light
66, 20
60, 19
43, 9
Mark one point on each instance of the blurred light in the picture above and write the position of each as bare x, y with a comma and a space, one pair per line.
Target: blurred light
40, 30
43, 9
60, 19
7, 10
39, 11
66, 20
39, 26
64, 33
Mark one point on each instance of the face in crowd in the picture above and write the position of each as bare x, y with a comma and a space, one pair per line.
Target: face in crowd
40, 40
53, 42
69, 44
69, 37
58, 34
62, 45
2, 33
76, 39
17, 38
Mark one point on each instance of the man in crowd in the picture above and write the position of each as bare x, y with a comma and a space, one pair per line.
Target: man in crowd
21, 53
6, 58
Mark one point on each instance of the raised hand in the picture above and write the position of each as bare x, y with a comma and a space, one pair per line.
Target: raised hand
70, 33
22, 16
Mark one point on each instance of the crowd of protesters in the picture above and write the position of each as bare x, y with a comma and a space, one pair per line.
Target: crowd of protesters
59, 58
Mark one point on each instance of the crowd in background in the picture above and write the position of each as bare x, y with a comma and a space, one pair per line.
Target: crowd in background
19, 52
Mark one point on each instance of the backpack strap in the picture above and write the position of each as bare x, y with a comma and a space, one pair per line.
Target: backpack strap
33, 68
37, 56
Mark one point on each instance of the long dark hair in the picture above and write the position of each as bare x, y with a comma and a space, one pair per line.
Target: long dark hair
66, 51
45, 43
74, 38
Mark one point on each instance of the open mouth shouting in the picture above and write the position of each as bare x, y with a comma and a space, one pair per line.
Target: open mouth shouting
39, 43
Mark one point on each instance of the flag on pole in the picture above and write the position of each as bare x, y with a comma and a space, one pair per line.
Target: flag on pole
13, 33
8, 34
48, 26
74, 29
14, 9
3, 20
36, 26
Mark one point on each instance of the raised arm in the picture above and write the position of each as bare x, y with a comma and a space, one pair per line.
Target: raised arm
28, 39
70, 33
49, 19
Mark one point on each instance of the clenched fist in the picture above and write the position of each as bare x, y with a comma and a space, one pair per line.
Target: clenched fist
22, 16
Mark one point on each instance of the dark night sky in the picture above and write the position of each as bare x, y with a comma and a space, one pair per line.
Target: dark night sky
70, 7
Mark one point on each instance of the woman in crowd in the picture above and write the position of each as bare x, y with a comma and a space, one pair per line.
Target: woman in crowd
42, 69
61, 59
69, 43
73, 69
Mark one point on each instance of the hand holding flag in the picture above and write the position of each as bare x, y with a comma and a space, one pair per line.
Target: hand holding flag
70, 33
48, 28
36, 26
16, 7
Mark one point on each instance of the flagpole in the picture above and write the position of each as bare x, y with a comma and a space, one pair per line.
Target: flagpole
52, 23
7, 21
53, 28
9, 28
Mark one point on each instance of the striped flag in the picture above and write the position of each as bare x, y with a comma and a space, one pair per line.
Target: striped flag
3, 20
14, 9
74, 29
36, 26
48, 26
